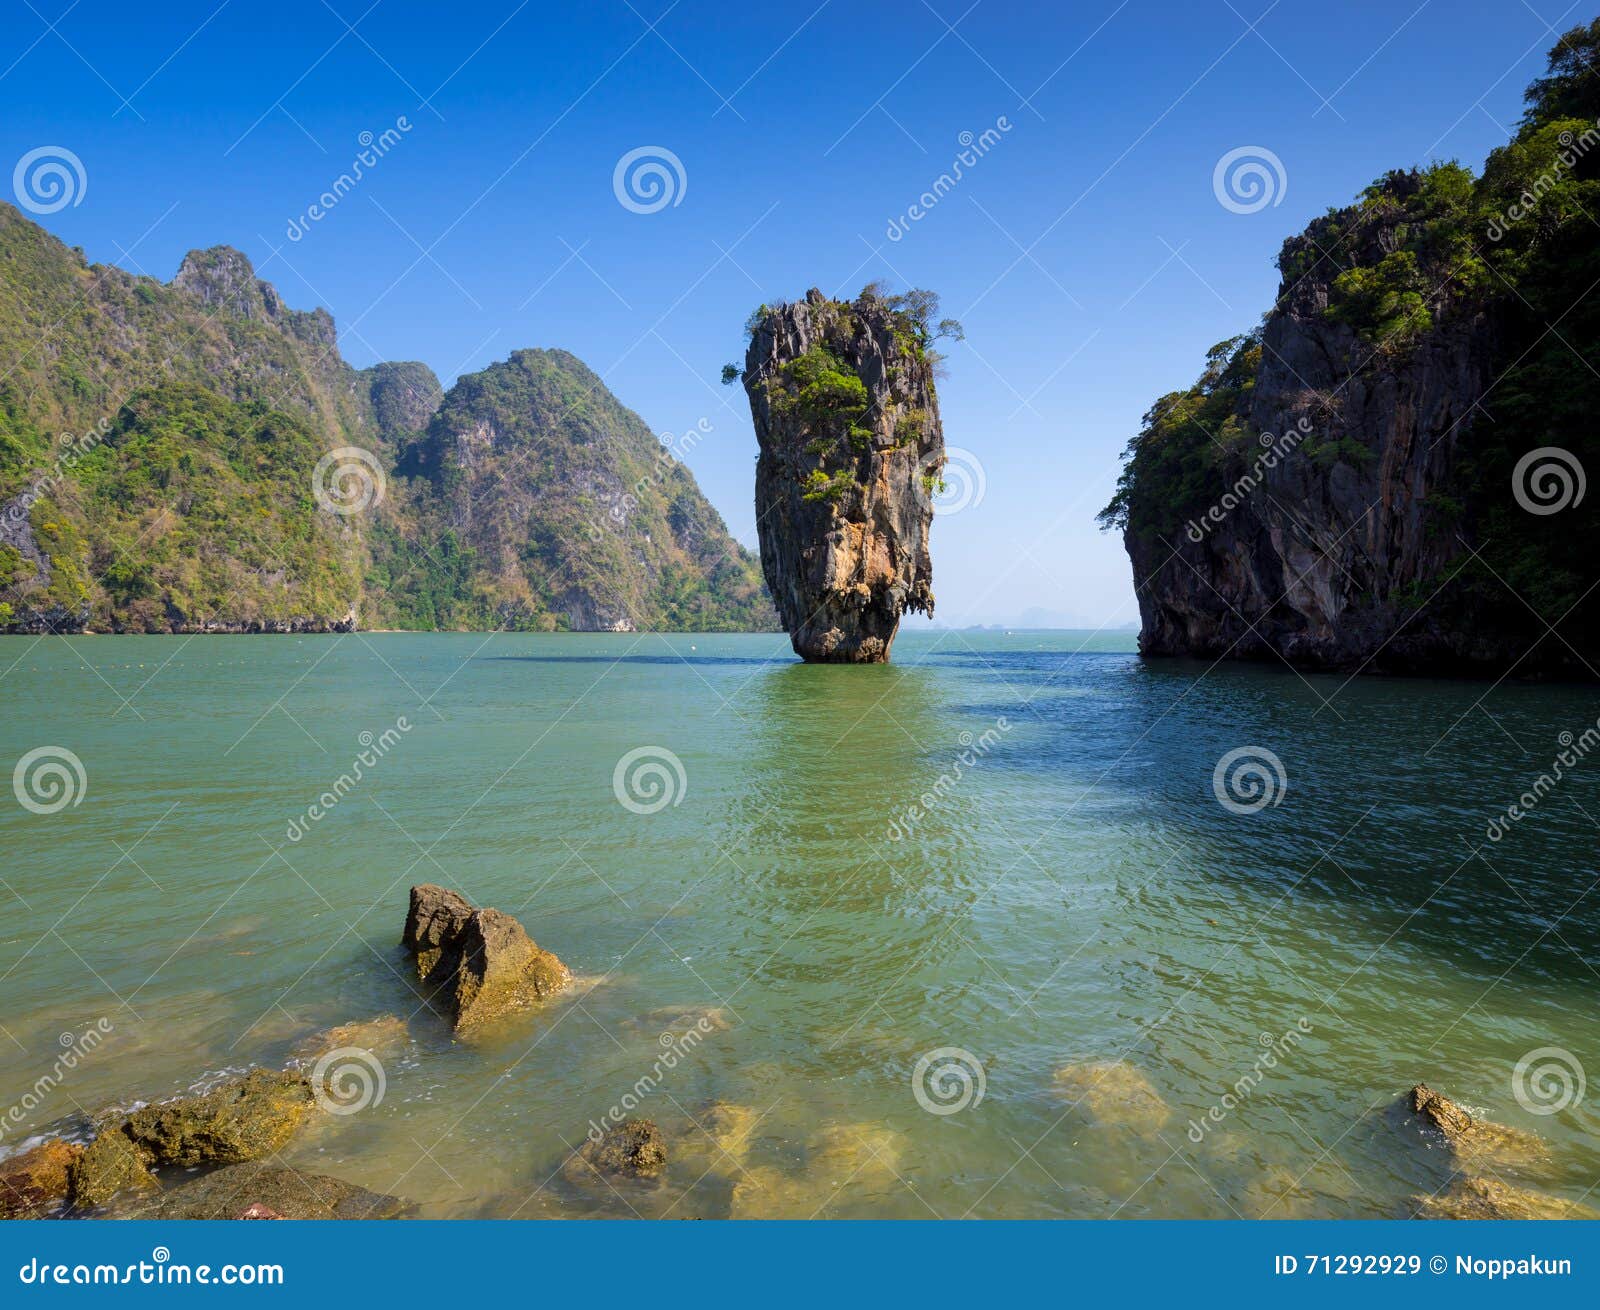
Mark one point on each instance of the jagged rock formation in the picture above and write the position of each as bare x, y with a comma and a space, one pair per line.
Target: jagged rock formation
1389, 474
479, 964
159, 453
845, 411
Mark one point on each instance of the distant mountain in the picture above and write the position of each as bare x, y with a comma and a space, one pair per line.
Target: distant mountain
196, 456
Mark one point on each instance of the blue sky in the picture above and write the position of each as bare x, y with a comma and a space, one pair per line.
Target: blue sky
1086, 251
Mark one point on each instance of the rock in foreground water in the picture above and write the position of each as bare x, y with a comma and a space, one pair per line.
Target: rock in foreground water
479, 964
1473, 1141
1489, 1198
635, 1148
1114, 1092
843, 400
245, 1119
35, 1182
261, 1191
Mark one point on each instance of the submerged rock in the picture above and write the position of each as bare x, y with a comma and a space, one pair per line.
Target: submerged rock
635, 1148
1114, 1092
841, 1160
842, 395
1489, 1198
480, 964
1473, 1141
245, 1119
261, 1191
386, 1034
36, 1182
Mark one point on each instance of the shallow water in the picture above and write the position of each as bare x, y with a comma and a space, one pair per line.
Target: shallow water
1077, 894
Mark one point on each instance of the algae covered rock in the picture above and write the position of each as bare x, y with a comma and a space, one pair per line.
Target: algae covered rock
387, 1034
1474, 1141
635, 1148
1489, 1198
36, 1182
109, 1165
843, 400
1114, 1092
245, 1119
480, 964
261, 1191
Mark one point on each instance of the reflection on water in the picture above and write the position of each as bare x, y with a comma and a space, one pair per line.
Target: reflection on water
1003, 845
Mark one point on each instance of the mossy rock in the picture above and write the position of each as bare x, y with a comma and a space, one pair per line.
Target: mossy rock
246, 1119
270, 1191
36, 1182
111, 1164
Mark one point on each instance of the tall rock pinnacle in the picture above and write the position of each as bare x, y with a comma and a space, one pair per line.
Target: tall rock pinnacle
845, 412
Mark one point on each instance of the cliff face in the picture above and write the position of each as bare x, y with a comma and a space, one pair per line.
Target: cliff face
851, 447
163, 447
1342, 447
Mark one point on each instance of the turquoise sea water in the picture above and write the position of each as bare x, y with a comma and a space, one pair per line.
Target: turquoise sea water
1003, 852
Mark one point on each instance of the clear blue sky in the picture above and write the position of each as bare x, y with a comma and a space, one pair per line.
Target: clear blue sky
1086, 252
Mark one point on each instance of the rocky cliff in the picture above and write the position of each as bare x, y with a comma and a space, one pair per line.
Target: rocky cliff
842, 395
1389, 473
172, 457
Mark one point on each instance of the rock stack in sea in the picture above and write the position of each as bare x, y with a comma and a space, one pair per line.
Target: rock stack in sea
842, 395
